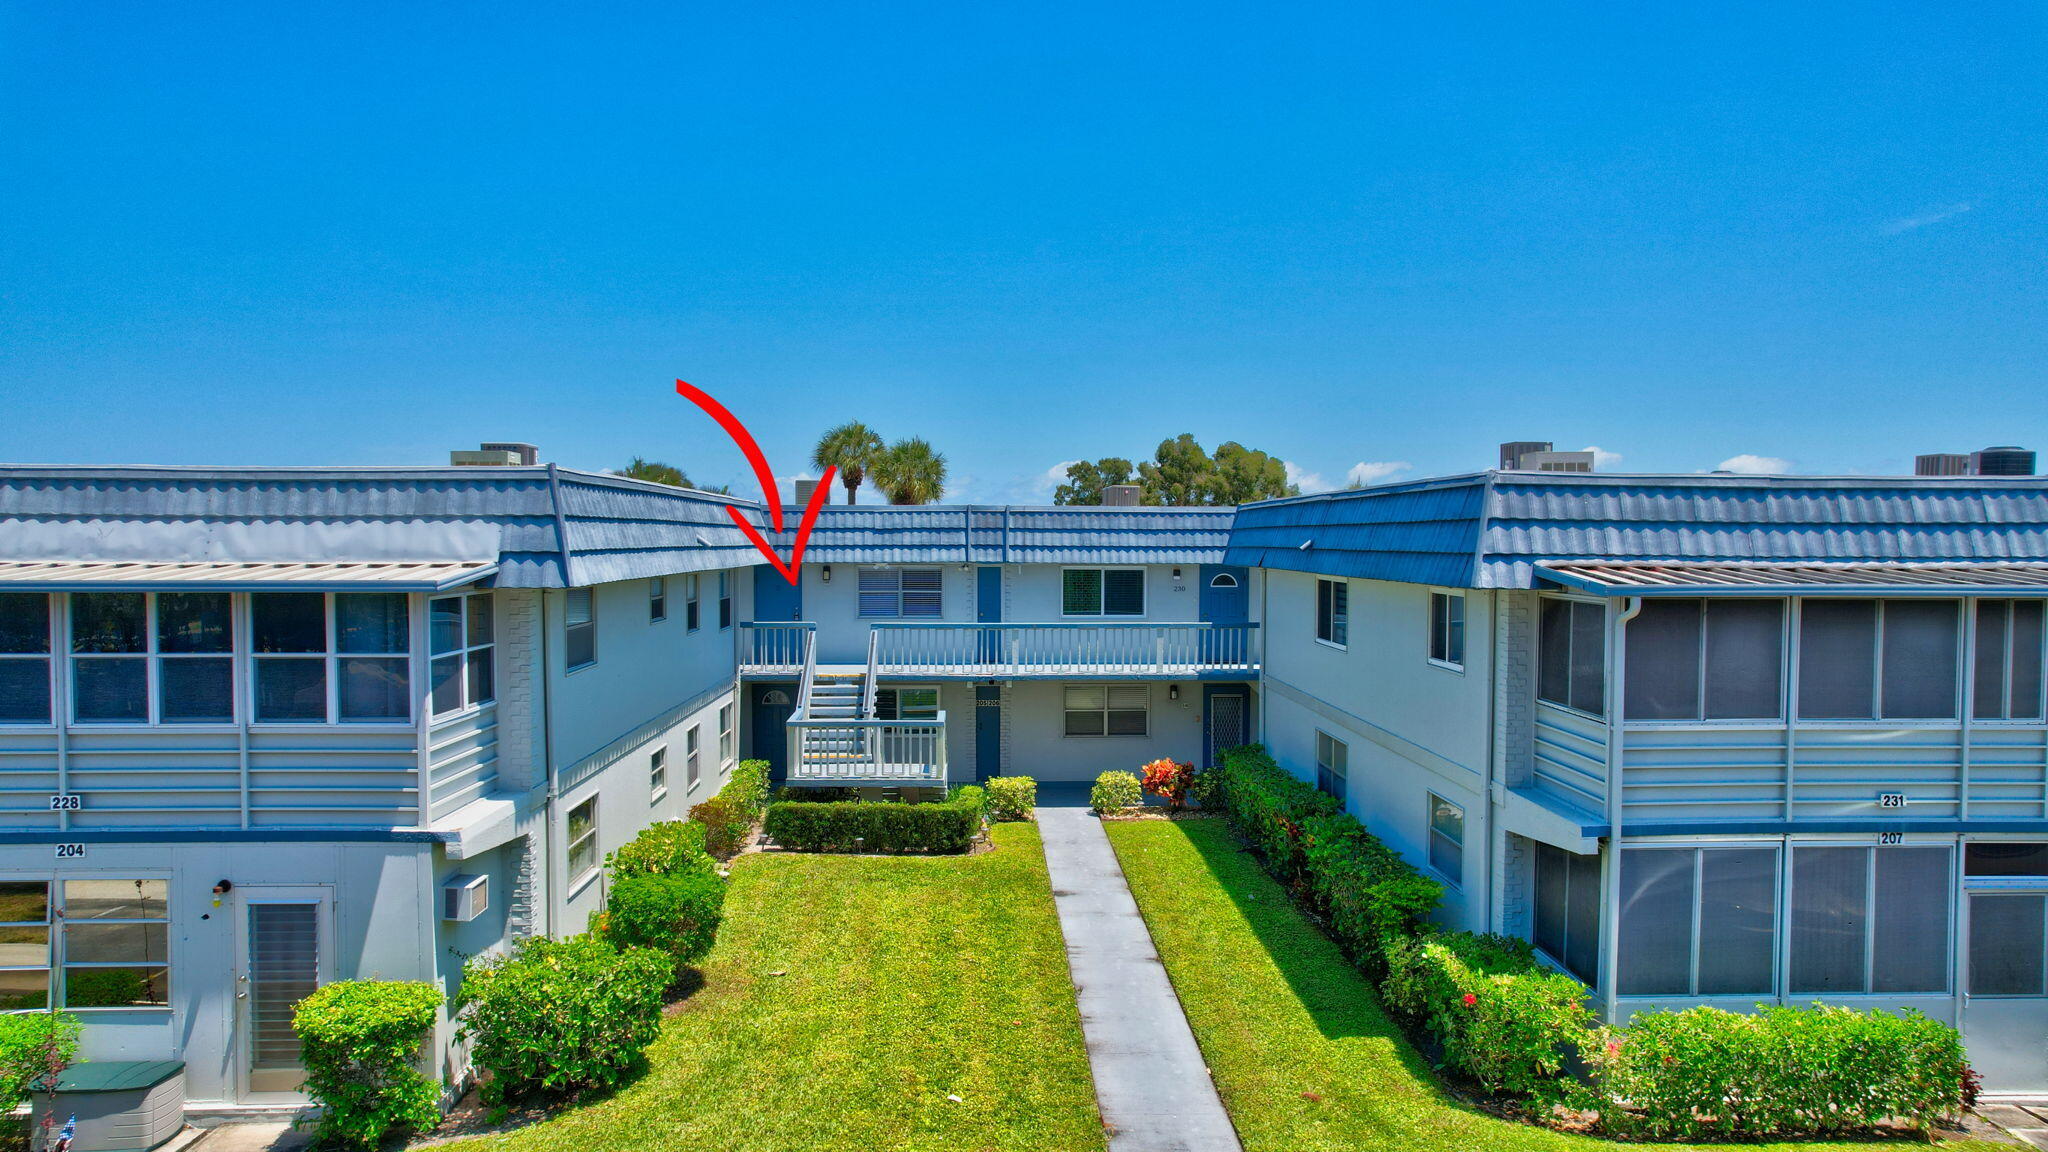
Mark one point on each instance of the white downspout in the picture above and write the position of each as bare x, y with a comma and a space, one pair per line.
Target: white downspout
1610, 871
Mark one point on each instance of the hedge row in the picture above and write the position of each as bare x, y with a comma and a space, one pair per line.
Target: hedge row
731, 816
1520, 1028
1367, 893
942, 827
560, 1016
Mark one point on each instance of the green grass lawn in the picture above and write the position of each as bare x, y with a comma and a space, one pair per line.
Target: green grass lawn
902, 981
1294, 1036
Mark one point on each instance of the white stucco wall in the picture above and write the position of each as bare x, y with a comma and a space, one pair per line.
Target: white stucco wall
1035, 720
378, 931
1411, 727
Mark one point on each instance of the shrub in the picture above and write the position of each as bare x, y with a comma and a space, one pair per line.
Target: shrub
1706, 1072
1012, 797
670, 846
1113, 792
1168, 779
672, 912
947, 826
558, 1016
733, 814
1369, 895
360, 1042
1268, 807
1503, 1019
34, 1047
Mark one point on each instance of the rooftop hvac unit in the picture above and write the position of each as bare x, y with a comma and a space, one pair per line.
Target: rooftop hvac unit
465, 897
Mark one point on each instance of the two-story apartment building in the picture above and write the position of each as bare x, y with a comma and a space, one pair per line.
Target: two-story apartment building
261, 729
1703, 739
928, 644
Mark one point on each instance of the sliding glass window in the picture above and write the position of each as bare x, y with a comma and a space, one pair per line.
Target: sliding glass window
1698, 921
2008, 685
1705, 660
1879, 659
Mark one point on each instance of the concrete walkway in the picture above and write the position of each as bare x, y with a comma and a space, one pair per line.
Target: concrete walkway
1154, 1090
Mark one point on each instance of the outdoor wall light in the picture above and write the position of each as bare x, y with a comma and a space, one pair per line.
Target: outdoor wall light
1173, 691
825, 573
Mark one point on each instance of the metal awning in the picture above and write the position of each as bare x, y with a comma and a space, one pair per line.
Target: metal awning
240, 576
1885, 578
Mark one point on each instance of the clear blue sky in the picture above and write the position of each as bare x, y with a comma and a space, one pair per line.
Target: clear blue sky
1346, 234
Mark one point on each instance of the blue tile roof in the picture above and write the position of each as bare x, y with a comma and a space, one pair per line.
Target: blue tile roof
545, 527
1490, 529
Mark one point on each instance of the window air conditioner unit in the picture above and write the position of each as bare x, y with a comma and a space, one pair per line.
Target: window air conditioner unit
465, 897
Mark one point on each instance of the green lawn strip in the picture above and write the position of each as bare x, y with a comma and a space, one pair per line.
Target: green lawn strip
1294, 1036
906, 980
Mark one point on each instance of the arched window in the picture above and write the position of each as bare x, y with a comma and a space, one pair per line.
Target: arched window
774, 698
1223, 580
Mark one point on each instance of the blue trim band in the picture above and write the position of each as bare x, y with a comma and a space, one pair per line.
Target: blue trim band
223, 836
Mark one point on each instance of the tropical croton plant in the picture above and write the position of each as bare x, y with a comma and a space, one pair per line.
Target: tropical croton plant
1168, 779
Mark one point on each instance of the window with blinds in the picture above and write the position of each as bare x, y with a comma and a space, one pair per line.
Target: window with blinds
579, 629
1108, 709
1333, 612
1333, 765
1102, 592
24, 658
915, 593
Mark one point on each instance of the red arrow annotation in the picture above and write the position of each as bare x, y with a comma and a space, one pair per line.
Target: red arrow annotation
792, 570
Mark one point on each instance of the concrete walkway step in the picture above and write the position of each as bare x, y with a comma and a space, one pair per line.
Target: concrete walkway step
1150, 1080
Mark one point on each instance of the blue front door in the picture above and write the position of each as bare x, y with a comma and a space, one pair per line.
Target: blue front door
776, 600
988, 609
772, 705
1225, 600
988, 731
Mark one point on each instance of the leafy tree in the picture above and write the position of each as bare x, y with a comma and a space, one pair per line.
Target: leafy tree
909, 472
1180, 472
641, 468
1246, 474
853, 448
1086, 480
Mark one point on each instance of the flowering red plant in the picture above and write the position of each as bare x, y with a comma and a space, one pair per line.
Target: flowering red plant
1168, 779
1471, 1000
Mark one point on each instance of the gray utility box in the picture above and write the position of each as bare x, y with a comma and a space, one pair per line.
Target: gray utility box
121, 1105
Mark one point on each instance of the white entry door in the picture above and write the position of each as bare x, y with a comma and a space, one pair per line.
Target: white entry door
285, 951
2005, 1016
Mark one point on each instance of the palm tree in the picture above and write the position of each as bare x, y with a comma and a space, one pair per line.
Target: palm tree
909, 472
852, 448
641, 468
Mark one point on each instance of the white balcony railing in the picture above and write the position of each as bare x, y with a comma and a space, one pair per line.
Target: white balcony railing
775, 647
1118, 649
1023, 650
868, 751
